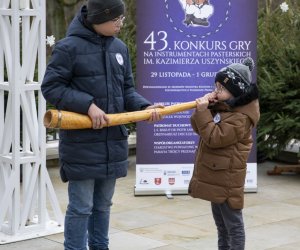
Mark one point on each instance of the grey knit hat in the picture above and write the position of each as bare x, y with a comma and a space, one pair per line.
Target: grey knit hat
236, 77
101, 11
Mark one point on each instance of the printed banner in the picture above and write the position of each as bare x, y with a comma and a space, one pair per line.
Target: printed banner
181, 44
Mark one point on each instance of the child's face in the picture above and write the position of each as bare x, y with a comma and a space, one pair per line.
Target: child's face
110, 28
222, 93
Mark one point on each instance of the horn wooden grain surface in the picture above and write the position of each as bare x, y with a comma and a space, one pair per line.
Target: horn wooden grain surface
69, 120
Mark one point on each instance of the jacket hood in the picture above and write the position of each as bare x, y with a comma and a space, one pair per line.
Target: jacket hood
251, 110
80, 28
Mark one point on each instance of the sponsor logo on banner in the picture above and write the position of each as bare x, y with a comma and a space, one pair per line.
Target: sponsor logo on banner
157, 181
143, 181
171, 181
172, 173
185, 172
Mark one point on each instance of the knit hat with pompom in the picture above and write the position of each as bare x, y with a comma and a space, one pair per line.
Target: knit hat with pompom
236, 77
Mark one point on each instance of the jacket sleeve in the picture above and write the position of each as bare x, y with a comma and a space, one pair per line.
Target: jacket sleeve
217, 135
133, 100
56, 85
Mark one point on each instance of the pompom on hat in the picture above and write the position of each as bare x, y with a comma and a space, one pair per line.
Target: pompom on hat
236, 77
101, 11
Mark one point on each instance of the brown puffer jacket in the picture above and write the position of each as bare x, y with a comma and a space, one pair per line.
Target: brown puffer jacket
226, 141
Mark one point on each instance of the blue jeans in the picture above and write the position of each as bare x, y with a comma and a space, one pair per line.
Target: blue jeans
230, 225
88, 214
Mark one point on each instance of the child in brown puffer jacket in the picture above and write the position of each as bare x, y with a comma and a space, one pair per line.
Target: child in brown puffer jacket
224, 120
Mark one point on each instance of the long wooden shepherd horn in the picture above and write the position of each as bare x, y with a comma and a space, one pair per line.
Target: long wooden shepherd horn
70, 120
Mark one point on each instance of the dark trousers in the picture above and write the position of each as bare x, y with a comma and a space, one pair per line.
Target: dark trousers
230, 226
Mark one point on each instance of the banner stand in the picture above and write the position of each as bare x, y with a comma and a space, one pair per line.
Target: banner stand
181, 45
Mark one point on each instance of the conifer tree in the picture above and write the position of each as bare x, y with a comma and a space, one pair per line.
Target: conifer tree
279, 76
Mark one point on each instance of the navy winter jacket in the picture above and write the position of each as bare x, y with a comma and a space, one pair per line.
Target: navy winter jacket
86, 67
